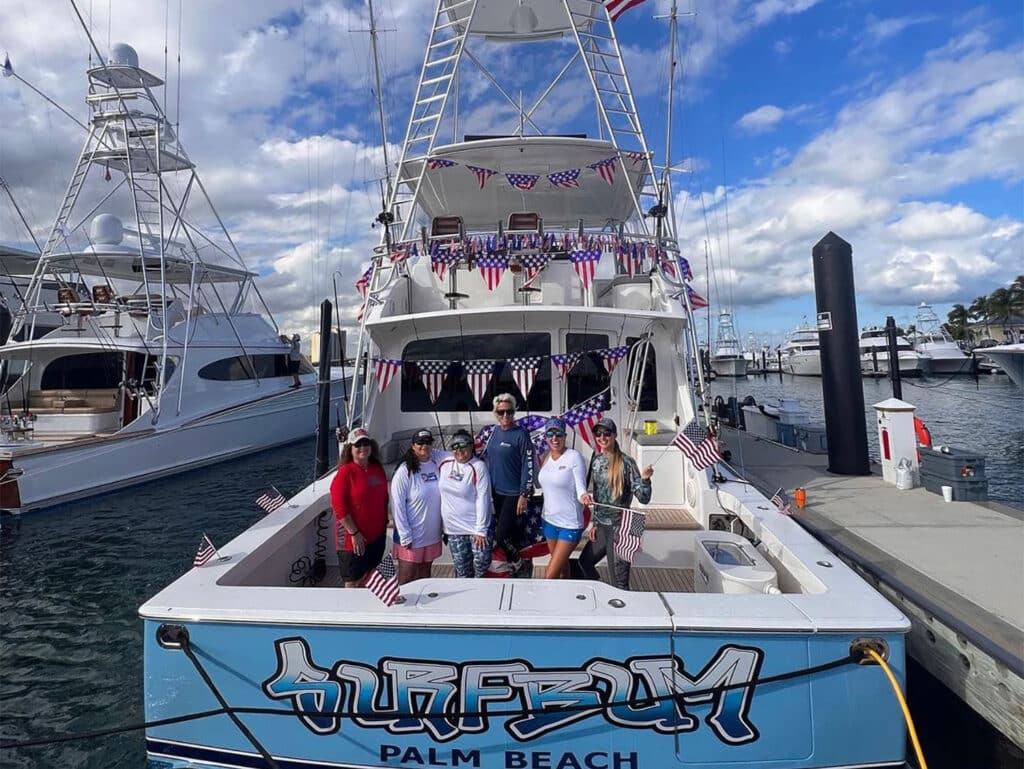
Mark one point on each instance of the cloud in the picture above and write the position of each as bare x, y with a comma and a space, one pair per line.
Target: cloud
761, 119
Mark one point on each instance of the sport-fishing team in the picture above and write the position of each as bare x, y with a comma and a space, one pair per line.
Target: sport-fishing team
476, 502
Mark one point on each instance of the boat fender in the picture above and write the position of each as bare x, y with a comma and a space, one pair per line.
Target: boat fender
924, 436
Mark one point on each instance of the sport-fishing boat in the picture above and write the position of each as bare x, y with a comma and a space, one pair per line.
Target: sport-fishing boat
801, 352
931, 340
165, 356
1010, 358
728, 358
508, 265
874, 354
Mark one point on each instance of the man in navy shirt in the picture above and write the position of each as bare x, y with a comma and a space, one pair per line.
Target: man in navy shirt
509, 454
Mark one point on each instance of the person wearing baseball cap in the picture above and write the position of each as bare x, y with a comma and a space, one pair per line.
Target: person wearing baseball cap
359, 498
563, 477
416, 507
465, 487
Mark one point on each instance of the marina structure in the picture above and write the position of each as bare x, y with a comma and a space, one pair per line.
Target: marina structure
164, 355
544, 266
931, 340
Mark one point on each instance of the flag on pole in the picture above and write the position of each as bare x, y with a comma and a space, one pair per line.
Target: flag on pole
482, 174
205, 553
524, 371
606, 168
270, 500
696, 300
566, 179
478, 375
566, 362
631, 534
369, 304
524, 182
584, 416
781, 501
492, 267
8, 70
433, 373
383, 581
612, 357
618, 7
385, 369
434, 163
363, 284
699, 444
585, 265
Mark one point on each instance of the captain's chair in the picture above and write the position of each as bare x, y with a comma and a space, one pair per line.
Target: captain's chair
525, 222
67, 301
102, 293
443, 227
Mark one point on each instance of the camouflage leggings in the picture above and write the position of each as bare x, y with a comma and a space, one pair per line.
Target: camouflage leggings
469, 560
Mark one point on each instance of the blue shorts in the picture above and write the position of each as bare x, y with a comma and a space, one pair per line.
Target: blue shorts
557, 532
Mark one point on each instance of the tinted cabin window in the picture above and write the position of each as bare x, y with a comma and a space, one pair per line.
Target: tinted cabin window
649, 390
243, 367
589, 376
90, 371
455, 394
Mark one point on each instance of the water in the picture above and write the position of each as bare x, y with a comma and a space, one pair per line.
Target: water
71, 580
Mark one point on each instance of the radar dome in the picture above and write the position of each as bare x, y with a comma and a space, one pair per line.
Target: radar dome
106, 229
122, 53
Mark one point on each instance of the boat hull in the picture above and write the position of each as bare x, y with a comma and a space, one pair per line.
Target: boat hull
57, 474
729, 366
378, 675
1010, 358
951, 365
911, 364
802, 364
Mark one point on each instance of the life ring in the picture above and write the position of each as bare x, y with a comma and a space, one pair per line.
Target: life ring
924, 437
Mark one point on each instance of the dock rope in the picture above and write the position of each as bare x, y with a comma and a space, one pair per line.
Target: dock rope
879, 660
855, 657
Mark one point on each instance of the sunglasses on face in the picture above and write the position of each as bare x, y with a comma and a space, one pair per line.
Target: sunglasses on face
603, 434
424, 442
555, 434
361, 445
505, 412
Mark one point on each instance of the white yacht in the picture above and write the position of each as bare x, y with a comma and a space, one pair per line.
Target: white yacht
874, 354
1009, 358
931, 340
165, 356
801, 354
728, 359
514, 288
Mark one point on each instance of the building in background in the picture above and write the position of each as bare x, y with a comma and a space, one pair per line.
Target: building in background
337, 347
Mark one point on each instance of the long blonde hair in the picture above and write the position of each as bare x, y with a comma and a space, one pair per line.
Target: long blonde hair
616, 470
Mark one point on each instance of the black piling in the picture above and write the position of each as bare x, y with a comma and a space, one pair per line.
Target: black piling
323, 417
894, 358
842, 390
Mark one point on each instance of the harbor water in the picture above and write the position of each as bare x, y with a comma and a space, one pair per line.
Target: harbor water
71, 580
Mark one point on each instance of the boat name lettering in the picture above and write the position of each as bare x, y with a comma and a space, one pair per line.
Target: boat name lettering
649, 692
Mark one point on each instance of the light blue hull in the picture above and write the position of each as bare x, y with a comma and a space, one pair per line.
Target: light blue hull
842, 717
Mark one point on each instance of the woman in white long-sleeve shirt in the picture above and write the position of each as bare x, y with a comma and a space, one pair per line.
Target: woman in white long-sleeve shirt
416, 508
563, 477
466, 507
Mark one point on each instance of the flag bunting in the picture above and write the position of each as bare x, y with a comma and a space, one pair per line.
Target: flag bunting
385, 370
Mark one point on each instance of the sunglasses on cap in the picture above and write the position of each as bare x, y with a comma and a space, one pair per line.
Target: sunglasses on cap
461, 445
603, 434
424, 441
505, 412
555, 433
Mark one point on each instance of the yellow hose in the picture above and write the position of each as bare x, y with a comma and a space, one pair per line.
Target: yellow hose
922, 764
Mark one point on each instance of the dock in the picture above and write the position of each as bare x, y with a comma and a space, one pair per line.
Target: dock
956, 569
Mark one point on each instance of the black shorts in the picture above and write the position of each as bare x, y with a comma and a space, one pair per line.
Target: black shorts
293, 366
354, 567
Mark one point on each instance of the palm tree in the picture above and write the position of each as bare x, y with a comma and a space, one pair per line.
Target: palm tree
998, 304
1017, 297
979, 312
957, 321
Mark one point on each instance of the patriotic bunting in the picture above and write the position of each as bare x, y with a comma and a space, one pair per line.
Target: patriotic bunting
631, 532
532, 265
482, 174
612, 357
441, 259
434, 163
478, 374
636, 157
369, 304
566, 179
566, 363
631, 259
524, 371
606, 168
585, 265
524, 182
492, 267
584, 416
385, 370
699, 445
433, 373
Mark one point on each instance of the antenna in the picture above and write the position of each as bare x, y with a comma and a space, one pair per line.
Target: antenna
380, 99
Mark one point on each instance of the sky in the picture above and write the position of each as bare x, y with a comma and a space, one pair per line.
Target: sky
900, 127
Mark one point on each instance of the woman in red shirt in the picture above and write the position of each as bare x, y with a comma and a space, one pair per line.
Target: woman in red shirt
359, 496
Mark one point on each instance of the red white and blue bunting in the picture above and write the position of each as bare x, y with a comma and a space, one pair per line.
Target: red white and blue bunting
568, 178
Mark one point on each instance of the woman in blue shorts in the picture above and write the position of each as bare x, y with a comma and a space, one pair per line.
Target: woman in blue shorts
563, 476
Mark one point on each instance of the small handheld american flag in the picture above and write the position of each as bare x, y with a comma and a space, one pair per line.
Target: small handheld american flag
699, 445
631, 534
383, 581
780, 501
270, 500
205, 553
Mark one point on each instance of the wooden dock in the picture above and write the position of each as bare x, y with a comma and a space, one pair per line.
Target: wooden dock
955, 569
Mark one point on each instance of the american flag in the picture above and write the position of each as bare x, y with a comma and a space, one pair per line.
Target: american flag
385, 369
618, 7
433, 373
606, 168
270, 500
480, 441
383, 581
612, 357
205, 553
402, 253
478, 375
680, 268
636, 157
492, 267
631, 258
696, 300
780, 501
565, 179
363, 284
566, 362
434, 163
370, 303
631, 535
585, 265
584, 416
522, 182
699, 445
482, 174
441, 259
532, 265
524, 370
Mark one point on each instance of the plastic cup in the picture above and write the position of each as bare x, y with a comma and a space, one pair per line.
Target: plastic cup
947, 493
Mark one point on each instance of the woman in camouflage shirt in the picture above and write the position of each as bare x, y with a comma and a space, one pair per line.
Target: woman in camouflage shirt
616, 481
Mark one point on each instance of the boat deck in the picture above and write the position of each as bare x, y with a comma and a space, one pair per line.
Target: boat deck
956, 569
